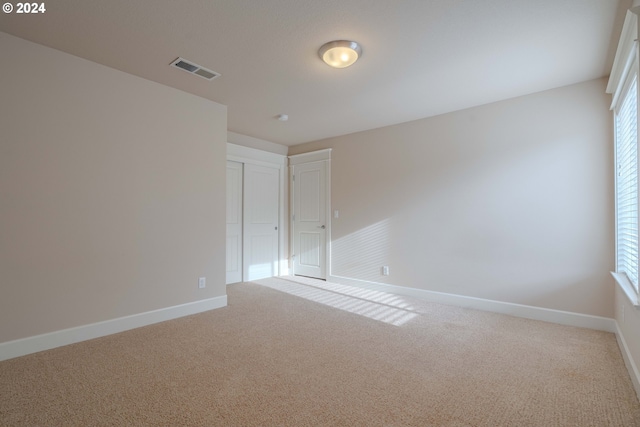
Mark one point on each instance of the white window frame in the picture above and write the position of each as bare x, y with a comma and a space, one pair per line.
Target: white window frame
627, 283
625, 69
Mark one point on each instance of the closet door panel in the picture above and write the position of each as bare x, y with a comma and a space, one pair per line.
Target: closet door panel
234, 222
261, 216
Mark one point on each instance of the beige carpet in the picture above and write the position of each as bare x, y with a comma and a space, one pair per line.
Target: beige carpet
314, 354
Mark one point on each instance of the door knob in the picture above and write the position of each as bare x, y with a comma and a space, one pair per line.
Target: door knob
321, 226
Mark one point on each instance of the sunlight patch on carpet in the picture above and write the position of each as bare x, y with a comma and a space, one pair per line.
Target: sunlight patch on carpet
380, 306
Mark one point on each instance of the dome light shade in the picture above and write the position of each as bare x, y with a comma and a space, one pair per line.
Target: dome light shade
340, 53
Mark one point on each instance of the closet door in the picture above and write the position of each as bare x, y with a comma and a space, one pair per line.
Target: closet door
261, 203
234, 222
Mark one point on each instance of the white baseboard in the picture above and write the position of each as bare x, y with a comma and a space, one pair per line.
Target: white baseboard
628, 360
526, 311
24, 346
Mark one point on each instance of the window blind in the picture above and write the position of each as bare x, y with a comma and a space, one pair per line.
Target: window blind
627, 184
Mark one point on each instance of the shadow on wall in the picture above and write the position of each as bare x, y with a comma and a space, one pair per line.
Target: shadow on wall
362, 253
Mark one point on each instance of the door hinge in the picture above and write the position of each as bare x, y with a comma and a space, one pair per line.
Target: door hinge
294, 177
293, 218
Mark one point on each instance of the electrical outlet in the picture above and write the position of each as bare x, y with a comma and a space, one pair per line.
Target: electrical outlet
202, 282
385, 270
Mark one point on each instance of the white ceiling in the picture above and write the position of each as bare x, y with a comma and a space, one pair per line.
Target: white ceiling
420, 57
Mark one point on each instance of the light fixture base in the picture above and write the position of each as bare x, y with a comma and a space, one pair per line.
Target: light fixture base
340, 53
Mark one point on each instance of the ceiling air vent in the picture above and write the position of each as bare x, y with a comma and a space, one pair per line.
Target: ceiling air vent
192, 68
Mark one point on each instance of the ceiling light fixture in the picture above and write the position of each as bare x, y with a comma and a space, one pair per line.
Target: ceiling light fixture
340, 53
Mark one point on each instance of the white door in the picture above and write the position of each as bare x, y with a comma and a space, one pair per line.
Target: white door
309, 220
261, 202
234, 222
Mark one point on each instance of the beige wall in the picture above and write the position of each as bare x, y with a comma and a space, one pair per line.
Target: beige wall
112, 193
511, 201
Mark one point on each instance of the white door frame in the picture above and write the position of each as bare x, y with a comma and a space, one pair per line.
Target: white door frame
242, 154
314, 156
235, 207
